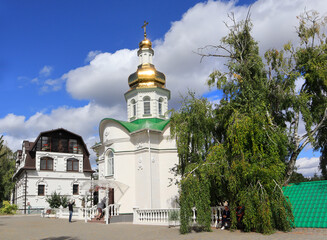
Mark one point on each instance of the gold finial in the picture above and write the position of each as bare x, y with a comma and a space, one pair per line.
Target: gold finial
144, 26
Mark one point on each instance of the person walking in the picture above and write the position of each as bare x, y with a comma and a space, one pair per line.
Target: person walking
70, 207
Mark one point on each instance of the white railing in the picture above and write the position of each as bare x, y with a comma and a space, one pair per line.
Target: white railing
80, 213
153, 216
63, 213
114, 209
161, 216
89, 212
216, 215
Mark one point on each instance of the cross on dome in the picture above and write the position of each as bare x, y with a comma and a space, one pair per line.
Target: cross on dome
144, 27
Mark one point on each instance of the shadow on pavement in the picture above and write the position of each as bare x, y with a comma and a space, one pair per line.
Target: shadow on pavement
60, 238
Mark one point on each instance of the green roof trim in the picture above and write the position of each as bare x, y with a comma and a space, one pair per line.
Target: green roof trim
309, 201
144, 123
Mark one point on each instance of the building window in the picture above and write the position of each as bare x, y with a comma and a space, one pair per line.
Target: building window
62, 145
160, 106
133, 107
40, 190
146, 101
46, 146
72, 164
110, 164
73, 147
75, 189
46, 163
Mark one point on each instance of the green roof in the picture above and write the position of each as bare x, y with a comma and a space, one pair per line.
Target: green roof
145, 123
309, 202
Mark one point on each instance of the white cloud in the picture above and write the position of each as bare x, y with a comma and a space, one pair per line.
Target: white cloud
308, 166
105, 78
52, 85
82, 121
91, 55
45, 71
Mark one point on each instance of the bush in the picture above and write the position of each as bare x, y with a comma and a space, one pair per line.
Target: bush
173, 215
8, 208
55, 200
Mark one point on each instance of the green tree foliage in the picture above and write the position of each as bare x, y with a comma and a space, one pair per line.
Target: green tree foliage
193, 127
55, 200
195, 116
8, 208
7, 169
245, 163
287, 104
249, 81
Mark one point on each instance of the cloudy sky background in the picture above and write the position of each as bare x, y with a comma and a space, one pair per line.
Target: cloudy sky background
80, 78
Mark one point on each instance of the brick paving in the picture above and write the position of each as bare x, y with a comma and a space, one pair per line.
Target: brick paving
35, 227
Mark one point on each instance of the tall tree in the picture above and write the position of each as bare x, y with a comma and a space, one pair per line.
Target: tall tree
245, 162
309, 104
249, 81
7, 168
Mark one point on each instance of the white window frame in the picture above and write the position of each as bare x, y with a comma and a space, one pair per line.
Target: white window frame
147, 105
133, 103
160, 104
110, 166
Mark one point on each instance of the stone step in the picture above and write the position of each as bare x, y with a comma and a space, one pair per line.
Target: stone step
94, 220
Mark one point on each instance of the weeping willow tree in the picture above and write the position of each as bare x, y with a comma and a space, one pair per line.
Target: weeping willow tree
246, 169
242, 158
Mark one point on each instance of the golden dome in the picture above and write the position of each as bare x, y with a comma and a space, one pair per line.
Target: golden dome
145, 43
146, 76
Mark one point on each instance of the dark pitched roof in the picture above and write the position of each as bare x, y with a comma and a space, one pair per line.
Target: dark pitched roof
30, 161
61, 129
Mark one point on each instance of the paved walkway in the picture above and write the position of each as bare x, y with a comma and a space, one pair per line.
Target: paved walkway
35, 227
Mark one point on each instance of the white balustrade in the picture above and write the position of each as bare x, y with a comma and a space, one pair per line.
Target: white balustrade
114, 209
152, 216
161, 216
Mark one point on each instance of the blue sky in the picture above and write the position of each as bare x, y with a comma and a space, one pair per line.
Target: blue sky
66, 63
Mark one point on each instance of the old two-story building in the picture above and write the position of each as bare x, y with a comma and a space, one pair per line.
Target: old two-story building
57, 161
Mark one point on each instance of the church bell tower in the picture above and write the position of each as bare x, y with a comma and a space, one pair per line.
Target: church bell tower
147, 96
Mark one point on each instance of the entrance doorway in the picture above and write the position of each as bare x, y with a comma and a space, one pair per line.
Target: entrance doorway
111, 196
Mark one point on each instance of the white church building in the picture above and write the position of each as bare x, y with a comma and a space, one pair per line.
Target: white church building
139, 153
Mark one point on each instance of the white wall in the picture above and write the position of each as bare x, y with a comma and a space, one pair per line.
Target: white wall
58, 180
135, 168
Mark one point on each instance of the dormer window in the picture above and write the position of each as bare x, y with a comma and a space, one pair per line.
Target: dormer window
146, 102
45, 143
73, 147
46, 163
160, 106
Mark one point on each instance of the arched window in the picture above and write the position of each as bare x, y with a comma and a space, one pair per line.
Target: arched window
110, 163
133, 102
146, 101
160, 106
46, 163
72, 164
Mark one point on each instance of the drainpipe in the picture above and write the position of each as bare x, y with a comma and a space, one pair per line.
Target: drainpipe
150, 169
25, 191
